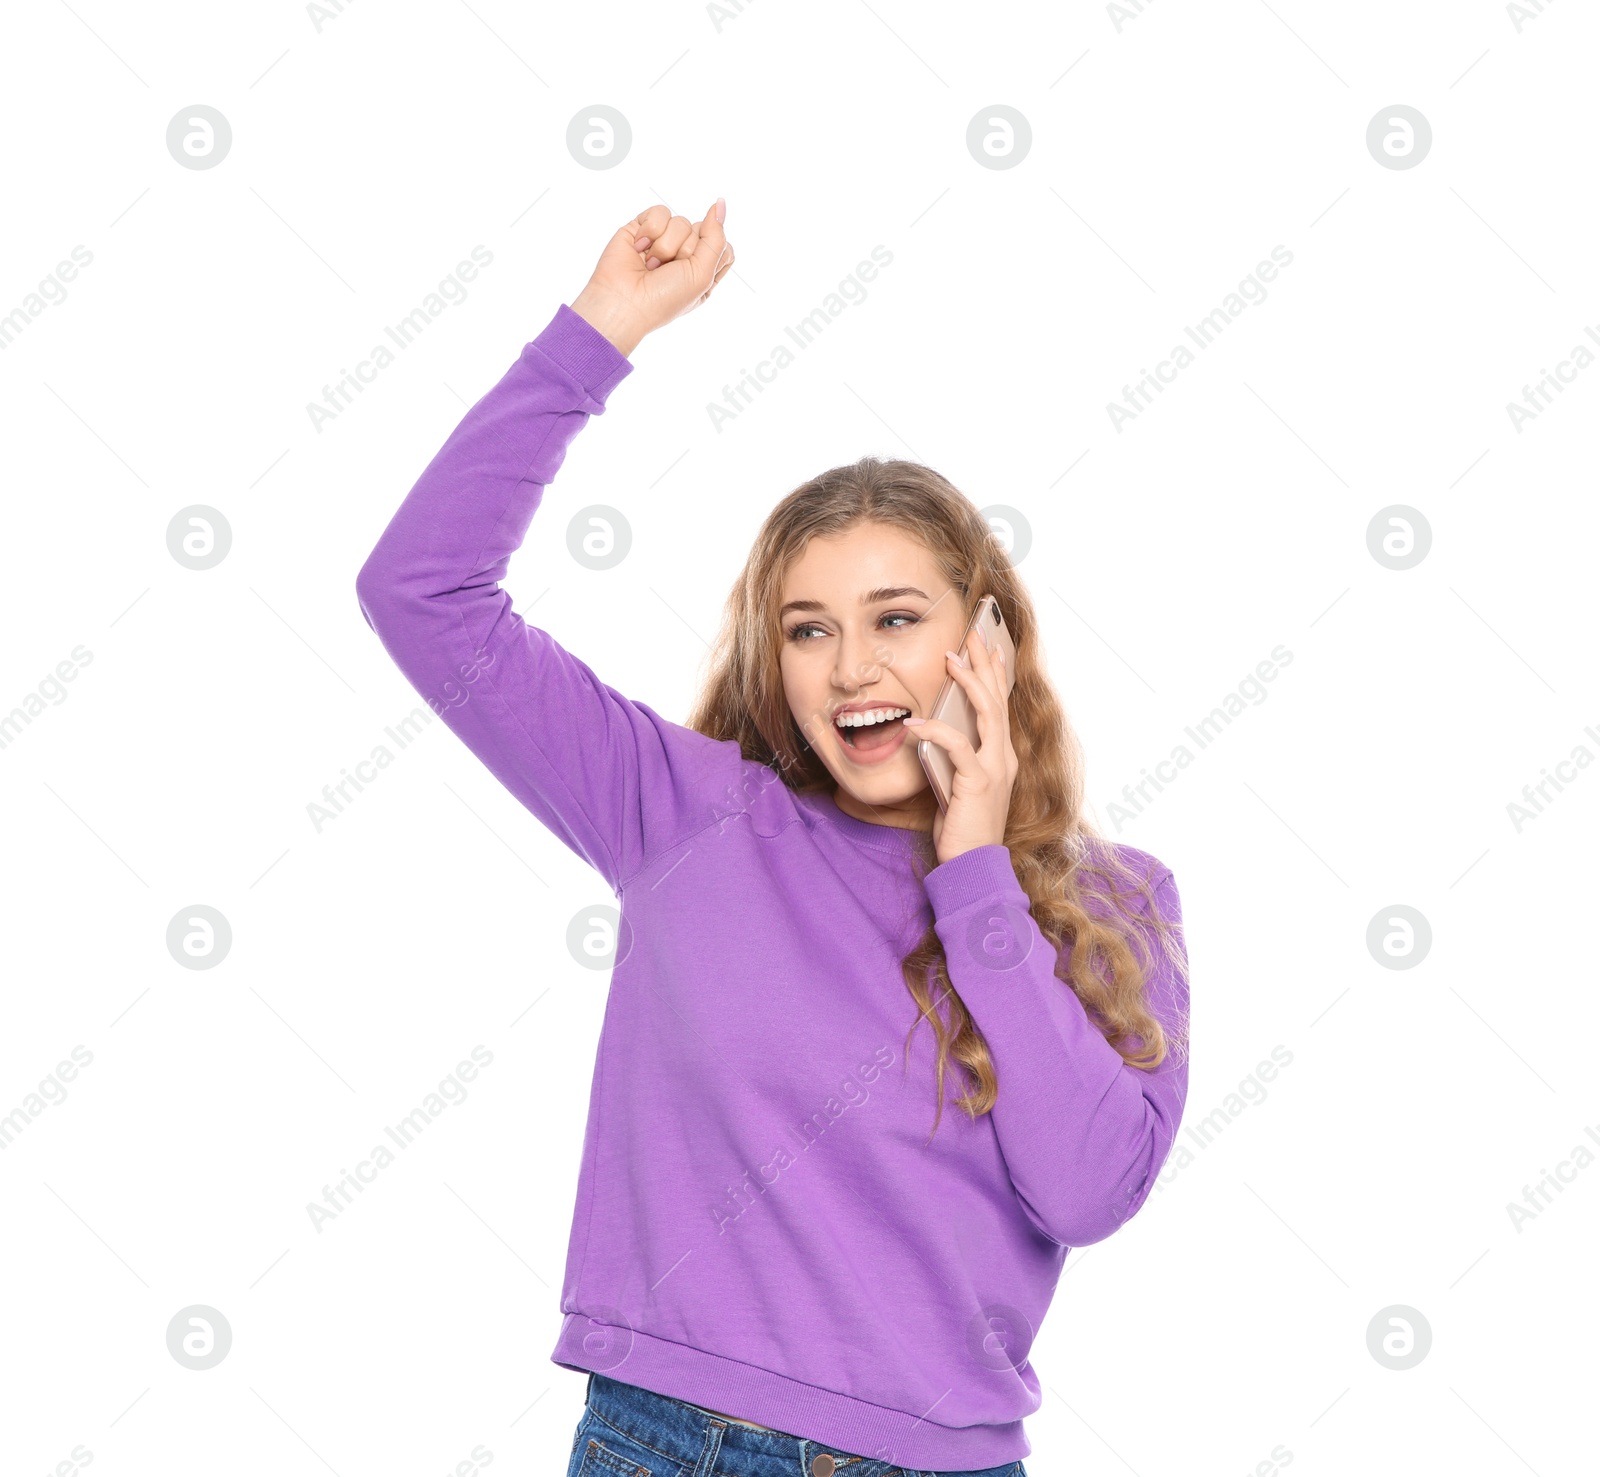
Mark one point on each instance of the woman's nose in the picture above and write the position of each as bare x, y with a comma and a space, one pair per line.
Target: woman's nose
858, 662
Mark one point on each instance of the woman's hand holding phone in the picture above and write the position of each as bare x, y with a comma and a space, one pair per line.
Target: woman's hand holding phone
654, 269
981, 792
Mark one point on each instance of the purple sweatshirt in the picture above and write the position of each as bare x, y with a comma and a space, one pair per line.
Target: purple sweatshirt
762, 1226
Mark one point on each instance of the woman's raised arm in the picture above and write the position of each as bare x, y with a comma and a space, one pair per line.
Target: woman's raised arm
615, 781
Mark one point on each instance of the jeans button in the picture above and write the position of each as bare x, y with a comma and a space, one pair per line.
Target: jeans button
822, 1466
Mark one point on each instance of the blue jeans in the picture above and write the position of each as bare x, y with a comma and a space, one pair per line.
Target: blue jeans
629, 1432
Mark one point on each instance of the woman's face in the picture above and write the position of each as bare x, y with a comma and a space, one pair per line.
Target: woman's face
866, 618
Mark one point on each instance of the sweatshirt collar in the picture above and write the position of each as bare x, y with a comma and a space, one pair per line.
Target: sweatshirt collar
897, 839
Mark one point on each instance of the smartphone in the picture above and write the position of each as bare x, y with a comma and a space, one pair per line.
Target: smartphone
952, 705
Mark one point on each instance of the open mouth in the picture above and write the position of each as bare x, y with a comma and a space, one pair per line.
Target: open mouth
873, 730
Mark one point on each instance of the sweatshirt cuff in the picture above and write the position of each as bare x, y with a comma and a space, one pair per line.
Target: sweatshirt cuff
580, 350
980, 873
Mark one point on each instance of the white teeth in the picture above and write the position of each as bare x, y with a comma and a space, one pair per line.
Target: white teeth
872, 715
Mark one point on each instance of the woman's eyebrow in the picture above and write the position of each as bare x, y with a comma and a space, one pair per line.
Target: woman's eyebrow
872, 597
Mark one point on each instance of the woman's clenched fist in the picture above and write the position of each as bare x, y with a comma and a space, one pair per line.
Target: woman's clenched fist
654, 269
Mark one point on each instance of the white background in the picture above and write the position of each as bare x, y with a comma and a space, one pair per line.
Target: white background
1169, 154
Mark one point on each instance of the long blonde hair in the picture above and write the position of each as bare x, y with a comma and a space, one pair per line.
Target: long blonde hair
1060, 858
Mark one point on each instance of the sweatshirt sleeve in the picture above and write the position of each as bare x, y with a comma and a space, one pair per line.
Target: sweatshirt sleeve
615, 781
1084, 1135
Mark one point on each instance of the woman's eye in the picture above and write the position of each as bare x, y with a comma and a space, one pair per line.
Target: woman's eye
798, 632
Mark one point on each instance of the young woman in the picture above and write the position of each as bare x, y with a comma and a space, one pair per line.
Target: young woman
784, 1258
